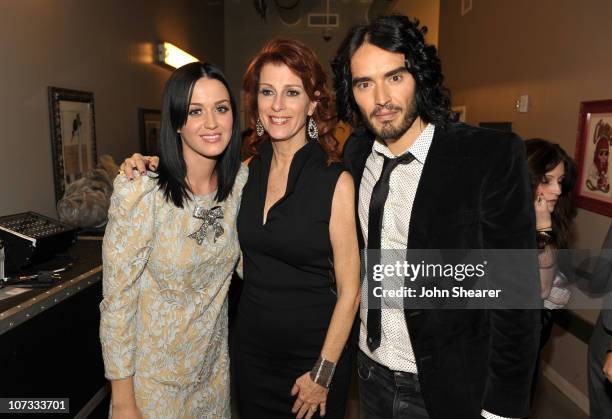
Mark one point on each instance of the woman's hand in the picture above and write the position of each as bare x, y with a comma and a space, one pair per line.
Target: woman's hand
140, 163
310, 396
123, 400
542, 212
126, 412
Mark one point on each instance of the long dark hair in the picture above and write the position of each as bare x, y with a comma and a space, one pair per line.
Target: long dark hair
394, 33
542, 157
302, 61
172, 166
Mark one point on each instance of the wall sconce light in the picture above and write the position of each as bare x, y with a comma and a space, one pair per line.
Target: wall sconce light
173, 56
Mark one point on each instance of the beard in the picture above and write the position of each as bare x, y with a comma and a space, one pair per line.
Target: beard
388, 131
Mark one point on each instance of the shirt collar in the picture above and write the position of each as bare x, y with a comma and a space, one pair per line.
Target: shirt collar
419, 149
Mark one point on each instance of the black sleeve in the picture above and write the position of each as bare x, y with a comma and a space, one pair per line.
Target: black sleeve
509, 223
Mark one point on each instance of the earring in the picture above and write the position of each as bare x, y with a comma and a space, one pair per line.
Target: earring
313, 131
259, 128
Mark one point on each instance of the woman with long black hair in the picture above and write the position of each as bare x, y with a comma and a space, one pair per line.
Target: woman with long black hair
169, 252
553, 176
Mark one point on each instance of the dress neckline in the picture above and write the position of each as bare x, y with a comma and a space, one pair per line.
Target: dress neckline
298, 162
203, 200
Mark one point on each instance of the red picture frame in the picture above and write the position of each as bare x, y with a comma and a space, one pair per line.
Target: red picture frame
593, 190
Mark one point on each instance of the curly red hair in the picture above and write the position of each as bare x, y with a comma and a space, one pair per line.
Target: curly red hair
303, 62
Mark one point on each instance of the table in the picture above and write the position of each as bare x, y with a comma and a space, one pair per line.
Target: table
49, 339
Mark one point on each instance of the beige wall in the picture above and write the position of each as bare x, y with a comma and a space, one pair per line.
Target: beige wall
99, 46
427, 11
246, 32
557, 52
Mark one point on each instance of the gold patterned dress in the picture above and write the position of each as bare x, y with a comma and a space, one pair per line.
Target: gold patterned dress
164, 312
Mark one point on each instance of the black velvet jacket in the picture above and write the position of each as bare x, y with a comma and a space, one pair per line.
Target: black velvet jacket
474, 193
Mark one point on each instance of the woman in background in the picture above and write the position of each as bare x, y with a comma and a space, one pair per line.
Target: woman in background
168, 255
553, 176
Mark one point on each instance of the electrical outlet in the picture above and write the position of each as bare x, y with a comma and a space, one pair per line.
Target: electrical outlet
522, 104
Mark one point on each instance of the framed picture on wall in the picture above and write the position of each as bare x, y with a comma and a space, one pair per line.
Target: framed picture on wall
149, 122
73, 135
593, 143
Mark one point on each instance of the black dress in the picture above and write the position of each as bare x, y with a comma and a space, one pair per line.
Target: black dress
289, 290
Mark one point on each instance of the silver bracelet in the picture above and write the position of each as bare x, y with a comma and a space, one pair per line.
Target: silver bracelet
322, 372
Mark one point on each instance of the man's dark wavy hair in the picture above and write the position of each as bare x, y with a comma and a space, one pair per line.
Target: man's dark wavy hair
394, 33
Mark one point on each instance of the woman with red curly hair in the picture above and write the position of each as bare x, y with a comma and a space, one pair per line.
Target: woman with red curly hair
297, 231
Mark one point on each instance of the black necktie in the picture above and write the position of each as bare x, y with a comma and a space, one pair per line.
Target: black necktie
377, 207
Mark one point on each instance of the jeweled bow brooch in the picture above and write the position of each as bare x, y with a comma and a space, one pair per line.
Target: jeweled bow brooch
212, 218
